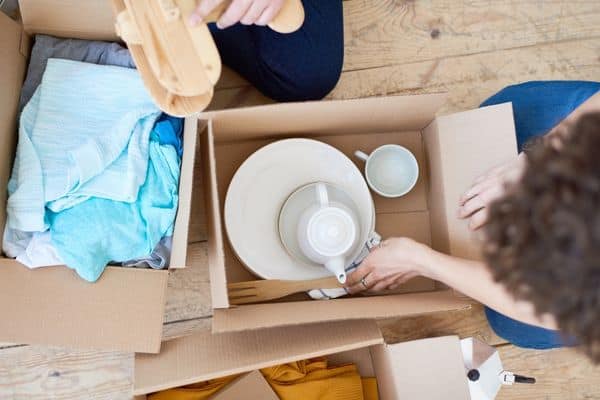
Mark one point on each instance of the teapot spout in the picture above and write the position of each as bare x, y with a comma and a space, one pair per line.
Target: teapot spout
337, 266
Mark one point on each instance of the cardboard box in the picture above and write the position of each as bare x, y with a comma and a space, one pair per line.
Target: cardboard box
428, 369
451, 151
124, 309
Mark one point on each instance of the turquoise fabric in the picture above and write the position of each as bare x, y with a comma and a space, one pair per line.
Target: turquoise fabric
97, 231
84, 133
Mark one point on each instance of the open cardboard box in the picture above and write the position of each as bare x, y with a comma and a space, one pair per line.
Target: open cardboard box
124, 309
427, 369
451, 151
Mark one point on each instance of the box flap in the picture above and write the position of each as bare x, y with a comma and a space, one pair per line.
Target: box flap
460, 148
427, 369
12, 73
216, 253
206, 356
186, 182
250, 386
371, 115
123, 310
89, 19
257, 316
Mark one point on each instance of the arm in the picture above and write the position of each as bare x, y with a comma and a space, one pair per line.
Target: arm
473, 279
400, 259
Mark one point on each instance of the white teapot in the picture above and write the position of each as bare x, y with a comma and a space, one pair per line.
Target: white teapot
327, 232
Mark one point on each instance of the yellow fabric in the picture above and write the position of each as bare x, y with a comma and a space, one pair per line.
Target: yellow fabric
301, 380
311, 379
370, 391
197, 391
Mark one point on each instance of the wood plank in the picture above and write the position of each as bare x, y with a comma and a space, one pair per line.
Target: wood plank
177, 329
389, 32
40, 373
471, 79
468, 79
560, 373
188, 292
464, 323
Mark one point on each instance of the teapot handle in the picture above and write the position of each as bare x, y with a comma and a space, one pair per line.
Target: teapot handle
322, 196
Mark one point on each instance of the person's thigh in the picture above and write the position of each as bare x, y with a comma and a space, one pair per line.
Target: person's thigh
303, 65
537, 107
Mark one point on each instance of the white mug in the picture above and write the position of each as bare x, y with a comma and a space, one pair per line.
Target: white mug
391, 170
327, 232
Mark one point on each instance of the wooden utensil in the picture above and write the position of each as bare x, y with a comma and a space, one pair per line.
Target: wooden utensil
263, 290
180, 63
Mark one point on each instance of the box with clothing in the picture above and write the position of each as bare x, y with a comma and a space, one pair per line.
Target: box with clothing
99, 185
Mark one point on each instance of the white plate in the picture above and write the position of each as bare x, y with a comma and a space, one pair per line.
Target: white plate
261, 186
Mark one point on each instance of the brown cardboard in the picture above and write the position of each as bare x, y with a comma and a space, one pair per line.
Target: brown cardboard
427, 369
205, 356
250, 386
124, 309
89, 19
451, 152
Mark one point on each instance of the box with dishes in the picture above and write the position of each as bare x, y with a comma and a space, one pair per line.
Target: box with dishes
346, 360
290, 213
99, 184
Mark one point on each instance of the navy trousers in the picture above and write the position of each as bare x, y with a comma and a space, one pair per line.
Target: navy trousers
303, 65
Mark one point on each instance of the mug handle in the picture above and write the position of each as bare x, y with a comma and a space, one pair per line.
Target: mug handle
363, 156
322, 196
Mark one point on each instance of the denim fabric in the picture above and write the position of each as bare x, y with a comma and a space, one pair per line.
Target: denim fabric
538, 107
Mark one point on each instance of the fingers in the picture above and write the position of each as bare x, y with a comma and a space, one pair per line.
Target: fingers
203, 10
401, 280
471, 206
234, 13
254, 12
481, 200
478, 219
269, 13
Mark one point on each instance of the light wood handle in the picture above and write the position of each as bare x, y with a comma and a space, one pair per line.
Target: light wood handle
303, 286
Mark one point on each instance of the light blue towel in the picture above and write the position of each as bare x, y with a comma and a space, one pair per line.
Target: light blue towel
97, 231
84, 133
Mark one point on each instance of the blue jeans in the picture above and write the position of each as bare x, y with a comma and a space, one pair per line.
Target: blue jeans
537, 107
303, 65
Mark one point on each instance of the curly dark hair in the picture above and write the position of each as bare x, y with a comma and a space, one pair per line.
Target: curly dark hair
542, 240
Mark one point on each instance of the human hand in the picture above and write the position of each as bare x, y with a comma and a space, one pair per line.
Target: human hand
475, 202
248, 12
396, 261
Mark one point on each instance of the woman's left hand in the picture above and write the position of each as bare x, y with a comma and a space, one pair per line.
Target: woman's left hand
475, 202
248, 12
395, 261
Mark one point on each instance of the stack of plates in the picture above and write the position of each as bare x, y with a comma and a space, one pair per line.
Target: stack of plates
261, 187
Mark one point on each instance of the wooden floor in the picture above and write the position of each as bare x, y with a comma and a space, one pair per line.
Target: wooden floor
469, 48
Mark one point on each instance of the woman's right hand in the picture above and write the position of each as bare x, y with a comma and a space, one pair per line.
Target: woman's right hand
394, 262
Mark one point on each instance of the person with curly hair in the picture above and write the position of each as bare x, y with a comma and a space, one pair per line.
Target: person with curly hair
539, 216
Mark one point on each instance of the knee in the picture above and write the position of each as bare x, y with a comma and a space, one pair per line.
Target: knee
512, 93
311, 80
